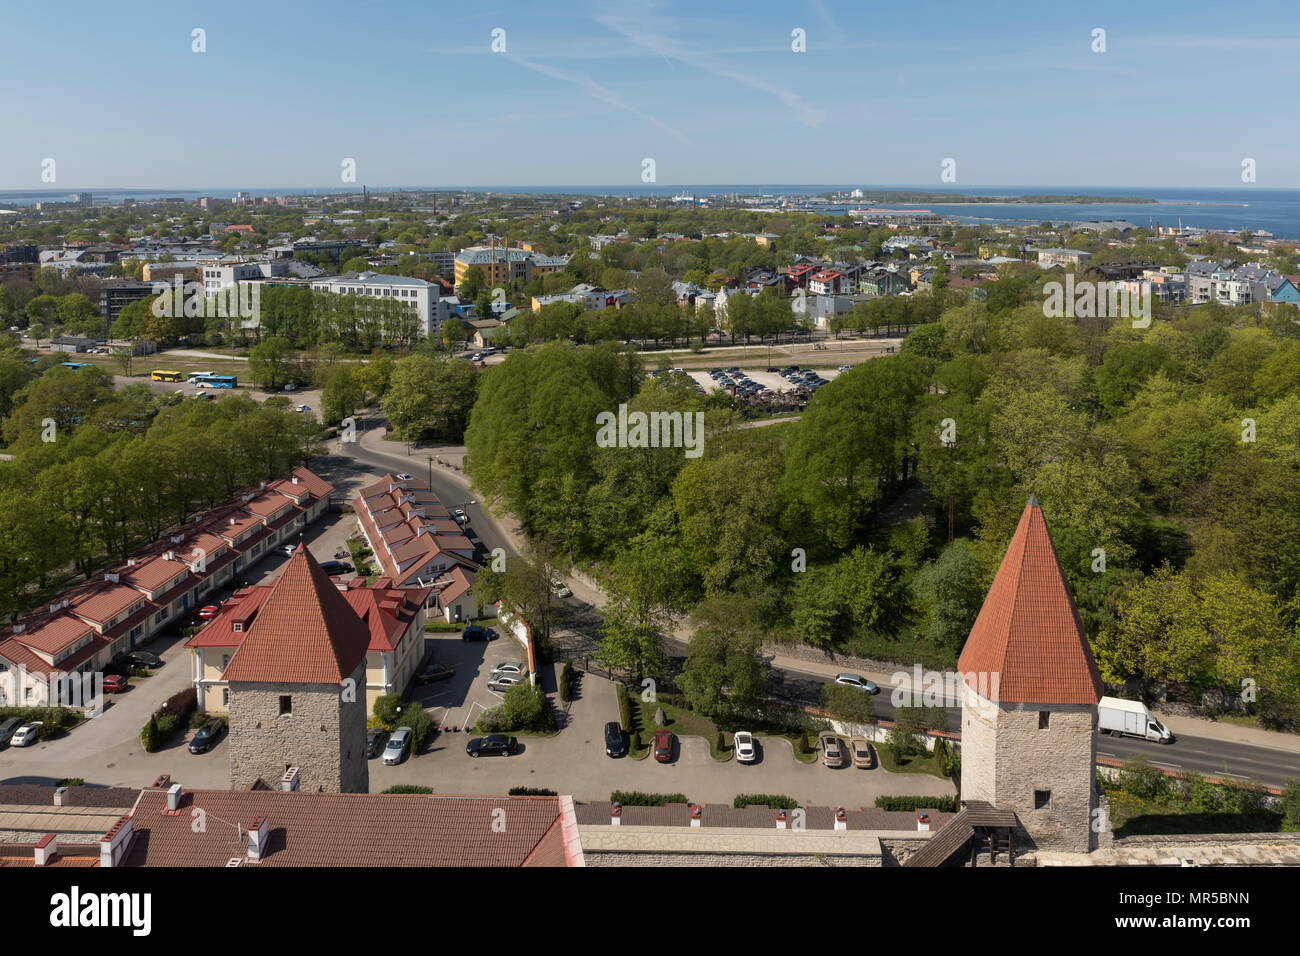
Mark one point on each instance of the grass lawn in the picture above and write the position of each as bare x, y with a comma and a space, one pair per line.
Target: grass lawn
926, 763
1133, 816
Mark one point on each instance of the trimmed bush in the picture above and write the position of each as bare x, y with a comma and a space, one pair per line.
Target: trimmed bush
531, 792
54, 720
637, 798
568, 676
945, 804
408, 788
775, 801
624, 708
847, 703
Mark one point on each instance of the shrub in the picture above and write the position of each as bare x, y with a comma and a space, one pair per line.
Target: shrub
720, 742
1139, 779
386, 710
531, 792
802, 745
636, 798
624, 708
198, 719
180, 705
408, 788
526, 707
567, 677
775, 801
1289, 804
421, 724
944, 804
54, 719
71, 782
636, 741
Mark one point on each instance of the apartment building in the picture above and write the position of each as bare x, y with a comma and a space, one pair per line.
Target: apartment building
418, 543
93, 622
219, 275
1065, 258
423, 297
501, 265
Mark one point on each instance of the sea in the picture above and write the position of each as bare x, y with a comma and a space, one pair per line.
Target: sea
1275, 211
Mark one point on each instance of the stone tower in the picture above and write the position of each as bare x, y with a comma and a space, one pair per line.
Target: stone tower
298, 687
1029, 715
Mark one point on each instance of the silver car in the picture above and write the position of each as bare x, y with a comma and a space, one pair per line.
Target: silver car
504, 682
511, 668
398, 746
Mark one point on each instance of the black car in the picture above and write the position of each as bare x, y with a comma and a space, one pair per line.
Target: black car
476, 633
375, 740
433, 672
8, 728
491, 745
335, 567
208, 735
614, 743
144, 659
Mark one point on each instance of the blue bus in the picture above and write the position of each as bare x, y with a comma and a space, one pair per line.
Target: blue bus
76, 364
218, 381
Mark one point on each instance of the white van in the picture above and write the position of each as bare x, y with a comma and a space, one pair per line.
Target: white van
1130, 718
27, 734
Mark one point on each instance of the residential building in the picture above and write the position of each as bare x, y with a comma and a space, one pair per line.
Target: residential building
1065, 258
421, 296
115, 294
501, 265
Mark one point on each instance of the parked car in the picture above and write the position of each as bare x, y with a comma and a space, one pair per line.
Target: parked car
433, 672
144, 659
302, 408
335, 567
861, 752
27, 734
8, 729
399, 745
861, 683
290, 387
663, 745
288, 549
615, 746
405, 477
210, 611
114, 683
746, 751
459, 516
498, 745
504, 683
474, 632
560, 589
375, 740
832, 750
207, 736
513, 668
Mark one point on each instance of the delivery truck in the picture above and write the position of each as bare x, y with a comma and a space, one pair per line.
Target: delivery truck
1132, 719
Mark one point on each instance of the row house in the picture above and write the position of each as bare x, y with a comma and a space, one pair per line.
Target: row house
97, 620
395, 618
418, 543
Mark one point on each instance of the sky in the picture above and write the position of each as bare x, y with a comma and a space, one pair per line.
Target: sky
580, 93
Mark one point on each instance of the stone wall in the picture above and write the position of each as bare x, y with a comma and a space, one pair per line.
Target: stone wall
324, 736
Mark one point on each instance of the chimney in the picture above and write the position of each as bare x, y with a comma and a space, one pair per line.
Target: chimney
47, 849
130, 562
113, 844
174, 797
294, 479
19, 628
289, 781
615, 814
780, 819
841, 819
697, 814
169, 556
177, 538
58, 795
263, 487
922, 821
258, 831
232, 519
112, 577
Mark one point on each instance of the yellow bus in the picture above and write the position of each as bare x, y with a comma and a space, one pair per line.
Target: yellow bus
166, 376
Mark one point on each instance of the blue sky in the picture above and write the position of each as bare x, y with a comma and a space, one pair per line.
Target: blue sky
712, 92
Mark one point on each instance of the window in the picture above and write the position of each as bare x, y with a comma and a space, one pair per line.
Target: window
225, 696
1043, 717
1042, 799
225, 659
286, 705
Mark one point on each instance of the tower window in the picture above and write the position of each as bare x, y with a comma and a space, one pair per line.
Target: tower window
1042, 799
286, 705
1043, 717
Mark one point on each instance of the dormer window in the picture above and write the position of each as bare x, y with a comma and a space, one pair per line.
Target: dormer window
237, 627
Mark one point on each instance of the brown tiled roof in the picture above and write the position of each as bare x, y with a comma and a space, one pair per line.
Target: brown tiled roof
1029, 632
340, 829
306, 632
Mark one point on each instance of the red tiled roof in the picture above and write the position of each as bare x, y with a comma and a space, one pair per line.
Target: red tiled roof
306, 632
351, 829
1029, 632
105, 602
55, 633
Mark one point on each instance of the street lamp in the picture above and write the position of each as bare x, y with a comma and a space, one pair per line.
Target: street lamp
430, 472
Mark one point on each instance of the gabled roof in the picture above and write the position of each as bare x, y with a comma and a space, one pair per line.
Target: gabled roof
305, 633
1029, 632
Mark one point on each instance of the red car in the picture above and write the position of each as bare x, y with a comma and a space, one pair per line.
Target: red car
114, 683
663, 745
209, 612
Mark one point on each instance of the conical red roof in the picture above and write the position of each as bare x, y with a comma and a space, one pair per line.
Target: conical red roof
305, 633
1028, 632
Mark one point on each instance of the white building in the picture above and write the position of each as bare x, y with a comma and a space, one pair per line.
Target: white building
422, 296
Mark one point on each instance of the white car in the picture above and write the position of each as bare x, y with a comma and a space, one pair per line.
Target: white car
861, 683
302, 408
289, 549
513, 668
405, 477
560, 589
746, 752
26, 734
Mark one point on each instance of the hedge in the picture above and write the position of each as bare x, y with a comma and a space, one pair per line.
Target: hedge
54, 720
946, 804
635, 798
531, 792
408, 788
775, 801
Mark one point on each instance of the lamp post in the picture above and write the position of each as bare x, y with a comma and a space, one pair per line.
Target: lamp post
430, 472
